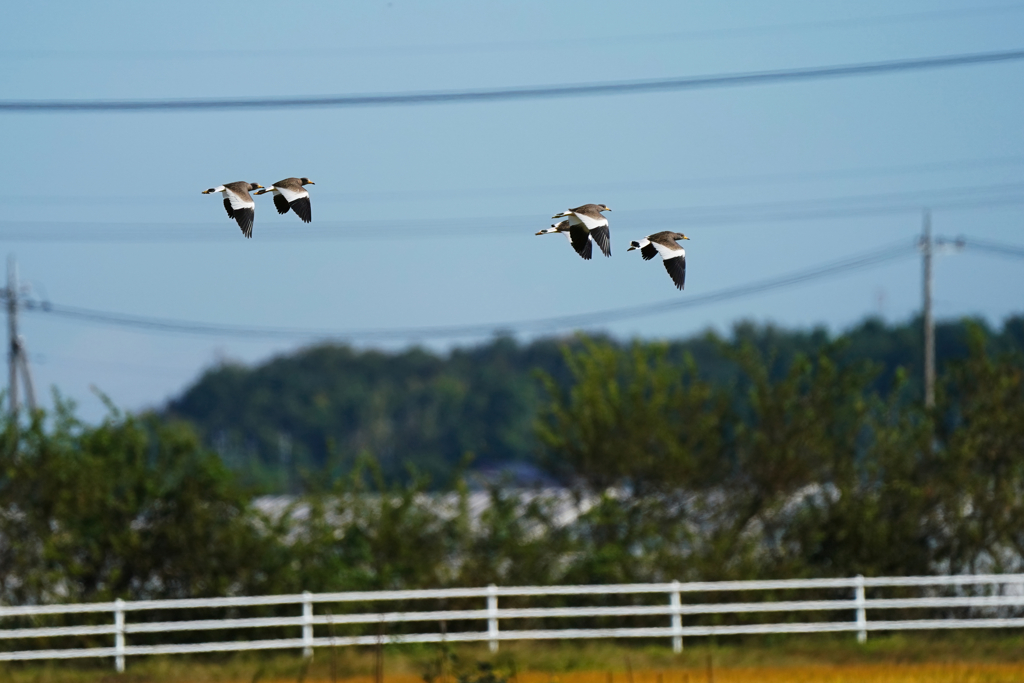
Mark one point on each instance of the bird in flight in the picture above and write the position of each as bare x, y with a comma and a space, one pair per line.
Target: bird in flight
239, 203
583, 245
290, 194
586, 223
672, 255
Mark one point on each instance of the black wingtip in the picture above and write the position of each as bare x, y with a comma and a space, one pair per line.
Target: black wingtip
245, 218
581, 242
603, 238
302, 209
281, 204
676, 268
587, 252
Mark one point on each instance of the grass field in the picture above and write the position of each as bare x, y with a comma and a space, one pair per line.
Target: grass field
942, 658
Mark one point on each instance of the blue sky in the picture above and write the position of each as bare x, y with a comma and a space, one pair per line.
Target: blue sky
425, 215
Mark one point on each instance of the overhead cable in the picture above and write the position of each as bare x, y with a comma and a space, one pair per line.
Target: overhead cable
516, 93
550, 324
848, 206
504, 191
604, 41
994, 247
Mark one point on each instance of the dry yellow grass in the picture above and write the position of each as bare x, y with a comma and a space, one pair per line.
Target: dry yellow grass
858, 673
936, 658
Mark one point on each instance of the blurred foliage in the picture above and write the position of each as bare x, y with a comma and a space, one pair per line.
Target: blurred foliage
788, 463
803, 467
127, 508
329, 404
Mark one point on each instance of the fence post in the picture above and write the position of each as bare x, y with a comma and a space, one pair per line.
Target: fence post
492, 617
862, 614
119, 635
307, 625
677, 618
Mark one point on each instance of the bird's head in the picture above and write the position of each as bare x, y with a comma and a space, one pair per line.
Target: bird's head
306, 181
633, 245
255, 186
603, 207
679, 236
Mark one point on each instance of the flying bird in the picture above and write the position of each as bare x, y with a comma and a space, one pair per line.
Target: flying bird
672, 255
580, 240
587, 220
239, 203
290, 194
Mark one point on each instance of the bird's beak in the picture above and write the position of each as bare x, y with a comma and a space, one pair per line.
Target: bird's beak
631, 248
685, 237
312, 183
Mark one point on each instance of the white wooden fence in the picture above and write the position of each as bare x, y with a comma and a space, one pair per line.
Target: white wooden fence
982, 601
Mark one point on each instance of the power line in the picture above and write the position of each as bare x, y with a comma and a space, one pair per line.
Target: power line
504, 191
500, 46
993, 247
848, 206
523, 93
550, 324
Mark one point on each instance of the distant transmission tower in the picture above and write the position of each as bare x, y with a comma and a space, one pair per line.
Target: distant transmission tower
17, 358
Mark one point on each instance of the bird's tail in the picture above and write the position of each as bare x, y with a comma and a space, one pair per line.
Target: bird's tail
556, 227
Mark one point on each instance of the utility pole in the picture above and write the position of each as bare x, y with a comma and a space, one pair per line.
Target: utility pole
927, 247
17, 359
12, 334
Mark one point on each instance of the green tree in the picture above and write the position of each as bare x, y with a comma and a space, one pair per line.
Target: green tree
365, 533
633, 418
980, 463
132, 508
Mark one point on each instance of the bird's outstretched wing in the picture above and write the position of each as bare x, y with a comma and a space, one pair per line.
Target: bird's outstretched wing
602, 236
676, 267
581, 242
280, 203
302, 209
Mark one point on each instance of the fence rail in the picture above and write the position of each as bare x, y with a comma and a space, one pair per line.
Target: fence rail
999, 607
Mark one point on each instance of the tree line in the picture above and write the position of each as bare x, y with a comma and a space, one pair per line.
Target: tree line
794, 464
332, 402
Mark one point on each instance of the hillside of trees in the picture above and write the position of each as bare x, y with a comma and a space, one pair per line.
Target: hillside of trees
322, 407
811, 467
